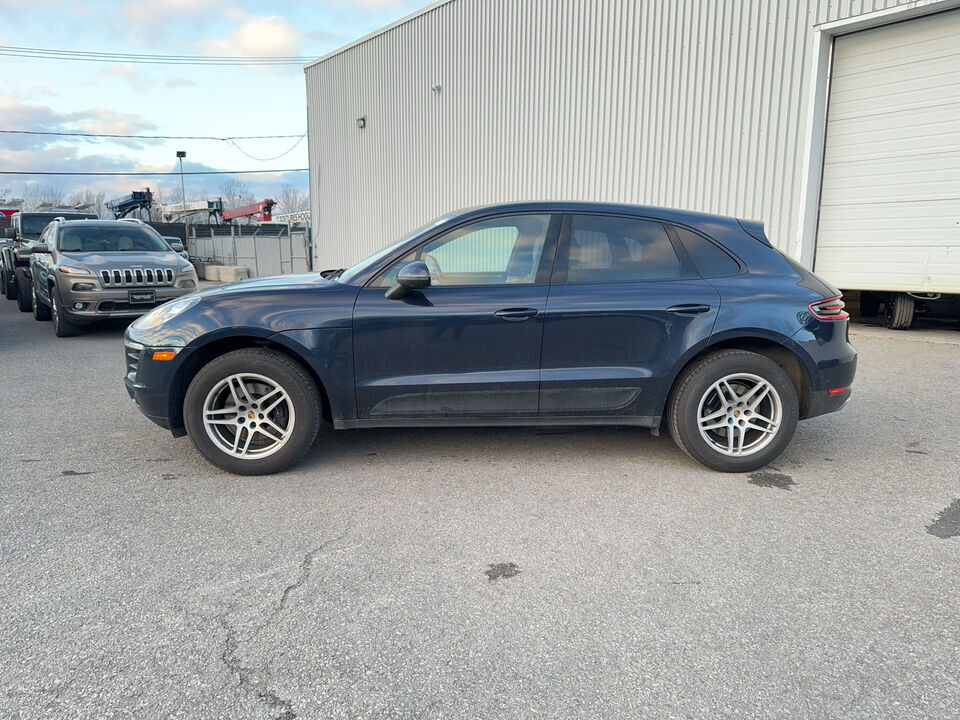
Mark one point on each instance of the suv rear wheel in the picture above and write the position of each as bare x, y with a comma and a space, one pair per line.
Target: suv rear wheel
9, 285
733, 411
24, 301
253, 411
40, 310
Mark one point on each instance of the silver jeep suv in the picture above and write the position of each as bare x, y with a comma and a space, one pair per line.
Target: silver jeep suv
83, 271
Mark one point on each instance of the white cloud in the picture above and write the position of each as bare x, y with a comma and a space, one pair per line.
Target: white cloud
17, 115
146, 13
256, 36
130, 73
175, 81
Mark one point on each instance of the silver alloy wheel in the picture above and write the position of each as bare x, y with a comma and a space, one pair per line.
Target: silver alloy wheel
740, 414
248, 416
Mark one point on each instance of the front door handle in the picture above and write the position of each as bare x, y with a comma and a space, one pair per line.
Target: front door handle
516, 314
688, 309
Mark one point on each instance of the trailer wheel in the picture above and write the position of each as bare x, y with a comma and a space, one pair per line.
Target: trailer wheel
900, 308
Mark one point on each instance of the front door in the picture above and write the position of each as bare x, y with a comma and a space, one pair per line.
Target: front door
622, 310
469, 345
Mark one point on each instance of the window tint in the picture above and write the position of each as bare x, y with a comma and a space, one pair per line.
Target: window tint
613, 249
711, 261
490, 252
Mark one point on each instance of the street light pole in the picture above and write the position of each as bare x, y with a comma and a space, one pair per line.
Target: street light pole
181, 154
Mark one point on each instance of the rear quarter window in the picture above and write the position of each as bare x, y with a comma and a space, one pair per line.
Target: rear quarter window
711, 260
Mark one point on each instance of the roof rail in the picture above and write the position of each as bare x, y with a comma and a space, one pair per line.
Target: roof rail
132, 219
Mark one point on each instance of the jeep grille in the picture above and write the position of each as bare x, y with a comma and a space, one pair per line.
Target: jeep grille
132, 277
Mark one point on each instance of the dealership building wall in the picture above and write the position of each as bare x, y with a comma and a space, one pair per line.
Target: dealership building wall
714, 106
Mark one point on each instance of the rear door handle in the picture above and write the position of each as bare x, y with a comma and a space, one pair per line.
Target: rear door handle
516, 314
688, 309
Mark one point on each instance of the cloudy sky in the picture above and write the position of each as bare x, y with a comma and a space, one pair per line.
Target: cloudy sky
118, 98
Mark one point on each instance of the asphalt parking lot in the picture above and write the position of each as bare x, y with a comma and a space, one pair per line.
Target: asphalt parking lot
477, 573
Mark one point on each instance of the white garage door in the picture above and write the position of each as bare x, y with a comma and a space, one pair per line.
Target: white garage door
890, 201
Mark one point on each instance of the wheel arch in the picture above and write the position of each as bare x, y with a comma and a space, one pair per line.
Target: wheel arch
777, 348
215, 347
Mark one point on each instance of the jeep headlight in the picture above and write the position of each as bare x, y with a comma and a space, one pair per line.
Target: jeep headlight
73, 270
159, 315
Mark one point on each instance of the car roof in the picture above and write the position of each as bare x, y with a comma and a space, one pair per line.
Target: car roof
661, 213
91, 221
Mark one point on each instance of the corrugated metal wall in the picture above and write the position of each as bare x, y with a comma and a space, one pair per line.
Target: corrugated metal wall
682, 103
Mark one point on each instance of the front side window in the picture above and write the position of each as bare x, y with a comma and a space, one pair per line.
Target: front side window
603, 249
110, 238
498, 251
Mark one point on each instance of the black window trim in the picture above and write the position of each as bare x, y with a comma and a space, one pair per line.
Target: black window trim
544, 270
671, 228
688, 270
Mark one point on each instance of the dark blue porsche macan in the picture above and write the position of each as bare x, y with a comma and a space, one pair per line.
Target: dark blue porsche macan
521, 314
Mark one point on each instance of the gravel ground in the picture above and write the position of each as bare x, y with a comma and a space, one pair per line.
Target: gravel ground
481, 573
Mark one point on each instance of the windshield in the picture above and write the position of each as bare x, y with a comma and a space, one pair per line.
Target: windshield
347, 276
110, 238
32, 225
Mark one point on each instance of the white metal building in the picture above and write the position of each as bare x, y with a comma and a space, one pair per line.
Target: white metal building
836, 122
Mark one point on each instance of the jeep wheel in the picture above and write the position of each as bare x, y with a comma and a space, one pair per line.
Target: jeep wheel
24, 295
733, 411
253, 411
40, 311
9, 285
61, 325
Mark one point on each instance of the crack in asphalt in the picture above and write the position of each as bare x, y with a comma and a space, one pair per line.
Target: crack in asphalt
250, 678
257, 680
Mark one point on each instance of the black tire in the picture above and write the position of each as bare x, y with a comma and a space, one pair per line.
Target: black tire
9, 285
900, 307
24, 296
695, 383
3, 281
869, 304
61, 325
41, 311
284, 372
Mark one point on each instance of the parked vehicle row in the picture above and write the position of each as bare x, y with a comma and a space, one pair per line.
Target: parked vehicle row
520, 314
81, 271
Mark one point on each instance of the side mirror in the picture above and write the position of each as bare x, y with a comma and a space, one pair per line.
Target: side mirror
10, 233
412, 276
39, 248
177, 247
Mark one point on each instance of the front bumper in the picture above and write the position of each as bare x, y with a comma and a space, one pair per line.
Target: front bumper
150, 383
103, 304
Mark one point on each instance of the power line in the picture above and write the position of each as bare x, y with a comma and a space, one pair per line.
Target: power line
227, 138
269, 159
155, 174
103, 57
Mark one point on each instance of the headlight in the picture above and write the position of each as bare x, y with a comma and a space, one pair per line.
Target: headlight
167, 311
70, 270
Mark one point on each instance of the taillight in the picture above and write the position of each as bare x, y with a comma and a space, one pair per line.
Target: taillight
829, 309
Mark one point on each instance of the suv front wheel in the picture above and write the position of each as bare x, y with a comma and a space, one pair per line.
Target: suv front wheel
61, 325
253, 411
733, 411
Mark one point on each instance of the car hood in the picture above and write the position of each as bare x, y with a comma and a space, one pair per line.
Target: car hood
269, 284
251, 308
118, 261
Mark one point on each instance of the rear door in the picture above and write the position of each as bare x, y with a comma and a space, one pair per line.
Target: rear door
623, 307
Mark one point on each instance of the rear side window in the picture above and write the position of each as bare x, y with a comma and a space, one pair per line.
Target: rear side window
603, 249
710, 259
